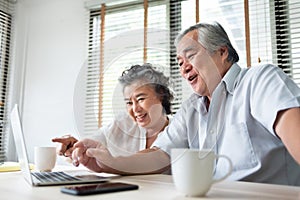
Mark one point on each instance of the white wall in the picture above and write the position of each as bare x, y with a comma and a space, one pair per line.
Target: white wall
52, 43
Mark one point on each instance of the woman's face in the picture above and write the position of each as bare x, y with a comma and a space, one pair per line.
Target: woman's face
143, 104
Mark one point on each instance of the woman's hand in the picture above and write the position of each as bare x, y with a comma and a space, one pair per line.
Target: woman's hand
66, 145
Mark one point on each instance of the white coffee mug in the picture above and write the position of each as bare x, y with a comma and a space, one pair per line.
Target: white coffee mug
44, 158
192, 170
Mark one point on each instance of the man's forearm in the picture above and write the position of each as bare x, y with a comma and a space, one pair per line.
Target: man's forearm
148, 161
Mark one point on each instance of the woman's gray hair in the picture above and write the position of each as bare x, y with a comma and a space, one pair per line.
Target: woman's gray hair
211, 36
150, 76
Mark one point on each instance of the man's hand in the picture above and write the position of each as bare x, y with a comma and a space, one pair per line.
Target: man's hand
91, 154
97, 157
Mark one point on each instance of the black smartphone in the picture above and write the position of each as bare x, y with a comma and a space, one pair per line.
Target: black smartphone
98, 188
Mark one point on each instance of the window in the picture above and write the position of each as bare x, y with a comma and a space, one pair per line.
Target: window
292, 11
5, 44
124, 33
126, 39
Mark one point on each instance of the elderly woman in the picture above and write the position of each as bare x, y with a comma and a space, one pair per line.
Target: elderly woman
148, 101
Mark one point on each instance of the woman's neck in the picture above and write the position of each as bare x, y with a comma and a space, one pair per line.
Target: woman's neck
152, 133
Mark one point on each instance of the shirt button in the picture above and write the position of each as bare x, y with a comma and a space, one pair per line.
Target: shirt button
212, 131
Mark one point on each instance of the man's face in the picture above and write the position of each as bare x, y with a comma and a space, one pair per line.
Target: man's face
197, 66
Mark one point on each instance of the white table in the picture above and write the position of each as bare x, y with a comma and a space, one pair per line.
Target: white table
14, 187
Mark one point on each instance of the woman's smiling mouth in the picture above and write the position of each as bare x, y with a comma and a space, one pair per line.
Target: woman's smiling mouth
140, 118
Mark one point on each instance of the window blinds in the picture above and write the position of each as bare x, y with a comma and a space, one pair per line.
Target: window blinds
6, 10
260, 32
274, 37
275, 34
293, 14
181, 89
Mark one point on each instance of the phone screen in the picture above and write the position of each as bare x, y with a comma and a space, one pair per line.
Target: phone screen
98, 188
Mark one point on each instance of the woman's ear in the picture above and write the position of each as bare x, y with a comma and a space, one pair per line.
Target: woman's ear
161, 95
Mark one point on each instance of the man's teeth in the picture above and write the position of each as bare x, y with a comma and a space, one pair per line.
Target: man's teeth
192, 77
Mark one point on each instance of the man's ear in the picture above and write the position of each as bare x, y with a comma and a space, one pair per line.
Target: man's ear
223, 53
223, 50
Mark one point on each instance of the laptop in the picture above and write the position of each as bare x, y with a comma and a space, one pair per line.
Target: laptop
46, 178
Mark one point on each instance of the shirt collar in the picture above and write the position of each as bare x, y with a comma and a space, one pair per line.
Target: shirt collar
231, 77
197, 102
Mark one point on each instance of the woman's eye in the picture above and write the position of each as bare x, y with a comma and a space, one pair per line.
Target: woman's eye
140, 99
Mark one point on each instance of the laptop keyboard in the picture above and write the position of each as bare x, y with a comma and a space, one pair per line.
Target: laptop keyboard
46, 177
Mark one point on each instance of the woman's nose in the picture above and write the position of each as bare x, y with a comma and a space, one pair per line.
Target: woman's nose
136, 107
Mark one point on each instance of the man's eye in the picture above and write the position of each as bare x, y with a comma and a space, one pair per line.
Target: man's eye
190, 56
128, 103
179, 62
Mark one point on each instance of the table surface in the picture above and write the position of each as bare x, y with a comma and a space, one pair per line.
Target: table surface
14, 187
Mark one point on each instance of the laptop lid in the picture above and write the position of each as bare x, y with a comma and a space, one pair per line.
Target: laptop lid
83, 177
20, 144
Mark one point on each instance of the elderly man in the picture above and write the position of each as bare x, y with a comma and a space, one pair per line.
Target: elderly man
251, 115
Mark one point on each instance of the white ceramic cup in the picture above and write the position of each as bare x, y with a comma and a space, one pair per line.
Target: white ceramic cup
44, 158
192, 170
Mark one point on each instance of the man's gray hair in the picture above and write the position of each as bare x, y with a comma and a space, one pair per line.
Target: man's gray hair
211, 36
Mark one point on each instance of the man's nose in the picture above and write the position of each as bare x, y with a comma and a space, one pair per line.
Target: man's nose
185, 67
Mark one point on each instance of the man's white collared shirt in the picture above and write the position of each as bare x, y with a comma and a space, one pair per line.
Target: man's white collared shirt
239, 124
